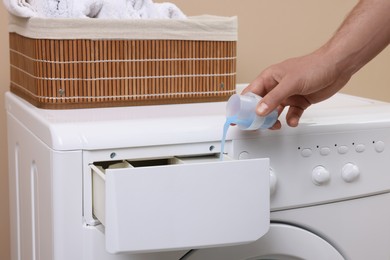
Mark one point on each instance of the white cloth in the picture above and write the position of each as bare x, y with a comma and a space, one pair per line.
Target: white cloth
54, 8
139, 9
132, 9
19, 8
117, 9
148, 9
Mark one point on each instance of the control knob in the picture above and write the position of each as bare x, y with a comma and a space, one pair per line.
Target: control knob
320, 175
350, 172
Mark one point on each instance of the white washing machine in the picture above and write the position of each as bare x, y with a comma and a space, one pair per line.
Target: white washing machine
142, 183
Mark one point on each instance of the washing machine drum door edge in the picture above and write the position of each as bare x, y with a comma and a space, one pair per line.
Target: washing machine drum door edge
282, 242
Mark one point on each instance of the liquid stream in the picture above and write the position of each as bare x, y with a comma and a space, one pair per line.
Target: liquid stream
229, 120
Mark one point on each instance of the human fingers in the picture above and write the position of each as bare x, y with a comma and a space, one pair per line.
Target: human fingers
262, 84
276, 97
276, 126
297, 105
294, 115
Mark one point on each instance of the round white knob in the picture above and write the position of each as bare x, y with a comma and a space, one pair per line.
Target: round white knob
350, 172
272, 181
320, 175
243, 155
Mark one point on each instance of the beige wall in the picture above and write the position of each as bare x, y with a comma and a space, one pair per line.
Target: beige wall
4, 82
273, 30
269, 31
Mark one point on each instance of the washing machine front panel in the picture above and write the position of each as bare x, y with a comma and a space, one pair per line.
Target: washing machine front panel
359, 228
282, 242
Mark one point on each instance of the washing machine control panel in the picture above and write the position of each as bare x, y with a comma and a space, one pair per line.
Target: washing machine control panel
310, 169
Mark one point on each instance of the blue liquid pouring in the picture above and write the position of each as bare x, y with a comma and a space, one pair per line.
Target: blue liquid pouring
269, 121
231, 120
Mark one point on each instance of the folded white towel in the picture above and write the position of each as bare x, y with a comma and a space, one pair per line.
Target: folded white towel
133, 9
84, 8
139, 9
19, 8
148, 9
118, 9
54, 8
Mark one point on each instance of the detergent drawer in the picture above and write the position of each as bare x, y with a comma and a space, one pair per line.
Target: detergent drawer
181, 203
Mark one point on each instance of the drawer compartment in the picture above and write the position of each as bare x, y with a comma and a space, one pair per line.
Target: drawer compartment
181, 203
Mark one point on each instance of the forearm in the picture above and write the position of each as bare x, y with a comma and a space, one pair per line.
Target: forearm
364, 33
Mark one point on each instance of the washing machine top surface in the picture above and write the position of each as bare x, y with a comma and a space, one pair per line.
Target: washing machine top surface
136, 126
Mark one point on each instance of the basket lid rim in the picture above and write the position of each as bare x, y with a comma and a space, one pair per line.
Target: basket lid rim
204, 27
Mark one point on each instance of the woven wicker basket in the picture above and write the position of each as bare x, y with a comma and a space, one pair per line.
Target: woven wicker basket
59, 63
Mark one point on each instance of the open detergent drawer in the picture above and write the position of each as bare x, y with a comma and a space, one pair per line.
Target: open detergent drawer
181, 203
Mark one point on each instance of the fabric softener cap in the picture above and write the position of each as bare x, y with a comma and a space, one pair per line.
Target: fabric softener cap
241, 110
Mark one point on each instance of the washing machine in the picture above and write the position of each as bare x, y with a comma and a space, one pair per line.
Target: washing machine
128, 183
330, 186
144, 183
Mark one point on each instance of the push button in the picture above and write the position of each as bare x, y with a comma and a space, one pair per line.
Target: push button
307, 152
379, 146
360, 148
342, 149
324, 151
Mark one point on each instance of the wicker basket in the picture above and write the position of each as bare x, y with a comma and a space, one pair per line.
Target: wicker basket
60, 63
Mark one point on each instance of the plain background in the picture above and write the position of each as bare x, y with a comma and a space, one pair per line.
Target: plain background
269, 31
